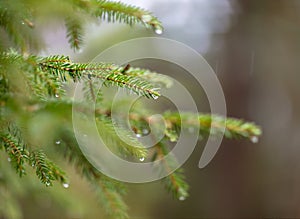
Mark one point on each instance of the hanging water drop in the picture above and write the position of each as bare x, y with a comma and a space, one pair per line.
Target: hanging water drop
9, 159
66, 185
145, 131
254, 139
57, 142
154, 97
142, 159
138, 135
181, 198
146, 18
158, 30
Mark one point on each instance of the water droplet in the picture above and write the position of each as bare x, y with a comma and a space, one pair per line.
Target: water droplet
158, 30
80, 50
181, 198
146, 18
56, 95
22, 22
57, 142
48, 183
142, 159
9, 159
66, 185
155, 97
254, 139
32, 164
145, 131
138, 135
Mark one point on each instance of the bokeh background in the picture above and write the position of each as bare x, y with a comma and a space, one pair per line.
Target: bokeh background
254, 48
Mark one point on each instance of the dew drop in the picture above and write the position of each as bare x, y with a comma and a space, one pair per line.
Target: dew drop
56, 95
145, 131
146, 18
138, 135
158, 30
66, 185
155, 97
9, 159
254, 139
142, 159
22, 22
48, 183
181, 198
32, 165
57, 142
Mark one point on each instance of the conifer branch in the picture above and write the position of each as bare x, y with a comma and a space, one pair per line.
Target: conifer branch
75, 32
126, 146
110, 198
213, 124
153, 77
107, 190
174, 181
120, 12
209, 124
52, 71
46, 170
20, 156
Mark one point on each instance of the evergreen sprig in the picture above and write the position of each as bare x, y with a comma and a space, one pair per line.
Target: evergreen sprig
19, 157
175, 180
120, 12
214, 125
128, 145
50, 72
75, 31
108, 191
46, 170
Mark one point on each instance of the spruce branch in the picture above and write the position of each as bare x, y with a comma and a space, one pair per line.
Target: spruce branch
110, 198
75, 31
214, 124
20, 156
50, 72
107, 190
46, 170
174, 181
153, 77
128, 145
209, 124
120, 12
